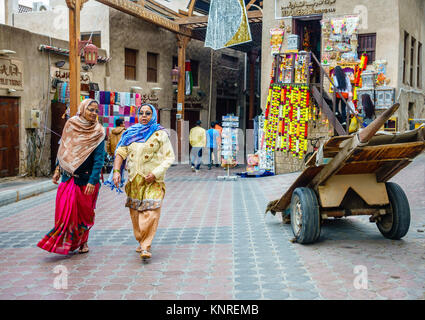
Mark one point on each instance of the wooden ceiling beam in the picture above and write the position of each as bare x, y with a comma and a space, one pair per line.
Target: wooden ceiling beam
204, 19
137, 11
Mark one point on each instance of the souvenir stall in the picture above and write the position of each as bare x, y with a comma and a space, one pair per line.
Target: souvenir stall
229, 145
289, 110
340, 44
116, 105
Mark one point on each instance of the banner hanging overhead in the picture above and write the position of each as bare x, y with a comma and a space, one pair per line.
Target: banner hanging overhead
227, 24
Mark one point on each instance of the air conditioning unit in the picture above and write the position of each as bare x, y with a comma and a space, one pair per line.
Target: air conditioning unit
39, 6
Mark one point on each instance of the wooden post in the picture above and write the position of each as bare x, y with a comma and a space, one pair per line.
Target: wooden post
75, 7
182, 42
253, 55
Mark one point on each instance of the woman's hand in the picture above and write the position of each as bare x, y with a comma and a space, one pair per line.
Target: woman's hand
56, 177
89, 189
150, 178
117, 179
350, 96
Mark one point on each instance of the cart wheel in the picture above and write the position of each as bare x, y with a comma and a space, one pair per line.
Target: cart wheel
395, 224
305, 215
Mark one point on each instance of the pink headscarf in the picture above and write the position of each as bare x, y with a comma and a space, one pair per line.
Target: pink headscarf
79, 139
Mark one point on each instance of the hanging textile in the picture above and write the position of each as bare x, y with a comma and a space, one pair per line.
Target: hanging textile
189, 79
227, 24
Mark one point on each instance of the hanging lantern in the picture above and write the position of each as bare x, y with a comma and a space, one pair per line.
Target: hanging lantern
175, 75
90, 54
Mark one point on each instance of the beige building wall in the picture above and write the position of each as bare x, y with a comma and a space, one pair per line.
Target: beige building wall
412, 21
36, 93
55, 21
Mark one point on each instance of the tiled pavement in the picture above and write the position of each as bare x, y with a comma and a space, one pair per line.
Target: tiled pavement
214, 242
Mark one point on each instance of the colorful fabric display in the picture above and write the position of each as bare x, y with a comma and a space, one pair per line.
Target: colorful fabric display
102, 97
138, 100
121, 109
126, 110
97, 96
116, 110
118, 98
132, 120
101, 110
132, 99
112, 98
132, 111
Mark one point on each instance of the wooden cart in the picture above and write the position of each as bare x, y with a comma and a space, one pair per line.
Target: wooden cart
348, 176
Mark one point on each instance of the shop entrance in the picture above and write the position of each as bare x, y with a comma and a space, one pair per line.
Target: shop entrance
310, 32
225, 107
9, 137
189, 115
58, 123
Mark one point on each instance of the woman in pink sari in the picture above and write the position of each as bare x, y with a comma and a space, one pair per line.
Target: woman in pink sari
80, 160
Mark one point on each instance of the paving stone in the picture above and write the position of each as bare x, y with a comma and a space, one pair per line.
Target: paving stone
213, 242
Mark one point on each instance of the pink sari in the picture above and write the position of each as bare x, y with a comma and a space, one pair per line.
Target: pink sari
74, 216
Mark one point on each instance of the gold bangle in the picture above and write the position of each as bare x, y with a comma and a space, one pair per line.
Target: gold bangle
117, 170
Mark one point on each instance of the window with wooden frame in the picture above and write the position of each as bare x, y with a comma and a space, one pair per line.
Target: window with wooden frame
95, 38
152, 67
130, 64
419, 67
412, 62
405, 56
367, 44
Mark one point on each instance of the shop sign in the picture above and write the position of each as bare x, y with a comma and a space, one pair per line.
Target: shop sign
63, 75
292, 8
11, 74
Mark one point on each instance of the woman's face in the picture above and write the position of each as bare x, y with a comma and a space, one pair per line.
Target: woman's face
145, 115
91, 112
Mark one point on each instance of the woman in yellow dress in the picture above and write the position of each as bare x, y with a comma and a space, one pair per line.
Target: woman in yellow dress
147, 151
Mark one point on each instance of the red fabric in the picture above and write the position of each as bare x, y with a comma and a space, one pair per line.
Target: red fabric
74, 217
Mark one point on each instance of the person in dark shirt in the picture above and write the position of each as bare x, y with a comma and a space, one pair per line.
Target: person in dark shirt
80, 160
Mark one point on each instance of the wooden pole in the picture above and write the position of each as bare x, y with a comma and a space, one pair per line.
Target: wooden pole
75, 7
253, 55
182, 42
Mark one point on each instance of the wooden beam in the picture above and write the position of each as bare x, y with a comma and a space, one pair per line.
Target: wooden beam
163, 8
191, 7
137, 11
75, 7
204, 19
250, 4
182, 42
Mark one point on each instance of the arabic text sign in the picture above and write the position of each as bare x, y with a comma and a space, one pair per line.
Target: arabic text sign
288, 8
11, 74
63, 74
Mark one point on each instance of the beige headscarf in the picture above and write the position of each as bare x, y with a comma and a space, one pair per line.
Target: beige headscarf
79, 138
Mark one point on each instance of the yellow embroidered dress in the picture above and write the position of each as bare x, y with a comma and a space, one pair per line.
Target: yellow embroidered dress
154, 156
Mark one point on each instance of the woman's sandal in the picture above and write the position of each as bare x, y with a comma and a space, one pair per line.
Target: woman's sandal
139, 249
83, 249
145, 254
